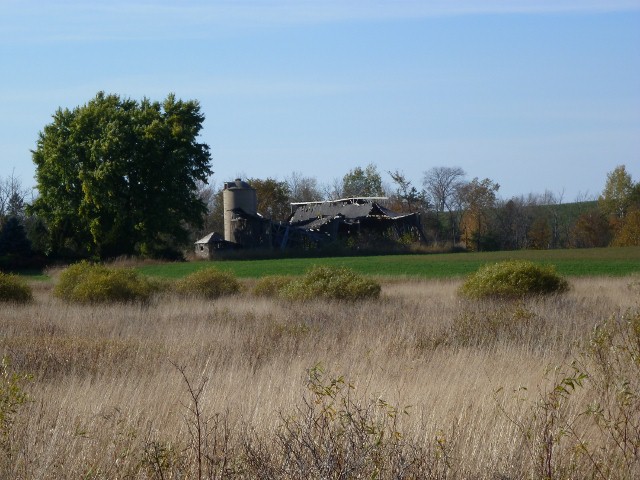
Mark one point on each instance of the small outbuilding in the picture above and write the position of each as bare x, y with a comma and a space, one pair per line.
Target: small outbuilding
207, 246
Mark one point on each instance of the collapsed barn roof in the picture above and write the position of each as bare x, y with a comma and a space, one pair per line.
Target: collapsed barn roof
330, 219
314, 215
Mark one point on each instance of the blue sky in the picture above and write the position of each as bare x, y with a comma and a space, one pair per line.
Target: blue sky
535, 95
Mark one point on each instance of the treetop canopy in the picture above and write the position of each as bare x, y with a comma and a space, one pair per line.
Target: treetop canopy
119, 176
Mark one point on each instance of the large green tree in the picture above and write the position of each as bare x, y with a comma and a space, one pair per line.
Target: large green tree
117, 176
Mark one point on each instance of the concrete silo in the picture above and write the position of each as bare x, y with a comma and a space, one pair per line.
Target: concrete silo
236, 196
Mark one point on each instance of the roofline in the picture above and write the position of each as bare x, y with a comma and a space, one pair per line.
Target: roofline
338, 200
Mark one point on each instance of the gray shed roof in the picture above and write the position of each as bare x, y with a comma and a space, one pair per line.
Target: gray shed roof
213, 237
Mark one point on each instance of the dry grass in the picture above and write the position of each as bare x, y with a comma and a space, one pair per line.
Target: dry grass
107, 400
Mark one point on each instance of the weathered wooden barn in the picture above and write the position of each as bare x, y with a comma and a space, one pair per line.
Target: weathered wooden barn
346, 217
311, 223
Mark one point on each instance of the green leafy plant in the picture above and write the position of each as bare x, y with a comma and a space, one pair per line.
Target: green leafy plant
330, 282
513, 279
13, 289
208, 283
91, 283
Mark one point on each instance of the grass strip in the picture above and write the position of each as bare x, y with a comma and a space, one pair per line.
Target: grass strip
577, 263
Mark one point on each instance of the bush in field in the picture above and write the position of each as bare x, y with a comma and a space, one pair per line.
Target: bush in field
13, 289
513, 279
271, 285
90, 283
208, 283
331, 282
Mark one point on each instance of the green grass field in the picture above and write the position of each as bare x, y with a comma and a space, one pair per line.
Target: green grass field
579, 262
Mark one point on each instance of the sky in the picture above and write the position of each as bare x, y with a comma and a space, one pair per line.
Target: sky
535, 95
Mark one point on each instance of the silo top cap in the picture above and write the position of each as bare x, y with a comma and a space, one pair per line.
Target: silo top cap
237, 183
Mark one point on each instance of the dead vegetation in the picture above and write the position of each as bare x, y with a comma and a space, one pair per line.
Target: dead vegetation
417, 384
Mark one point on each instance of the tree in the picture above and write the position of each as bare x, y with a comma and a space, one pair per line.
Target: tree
616, 197
592, 229
303, 189
634, 197
540, 234
333, 189
273, 198
365, 182
38, 235
408, 196
16, 205
551, 202
213, 220
117, 176
442, 183
628, 233
15, 248
12, 198
628, 228
512, 221
13, 239
478, 197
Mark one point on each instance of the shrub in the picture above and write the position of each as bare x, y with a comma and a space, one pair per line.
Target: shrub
208, 283
337, 433
513, 279
13, 289
90, 283
594, 433
271, 285
331, 282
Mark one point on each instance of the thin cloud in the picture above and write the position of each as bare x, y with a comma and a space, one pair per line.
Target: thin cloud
75, 21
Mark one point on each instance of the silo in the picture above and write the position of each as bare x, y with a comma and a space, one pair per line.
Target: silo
237, 194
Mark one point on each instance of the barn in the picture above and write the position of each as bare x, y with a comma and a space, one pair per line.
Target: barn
346, 217
311, 223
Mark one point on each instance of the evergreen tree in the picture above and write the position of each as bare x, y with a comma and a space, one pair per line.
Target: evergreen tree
13, 239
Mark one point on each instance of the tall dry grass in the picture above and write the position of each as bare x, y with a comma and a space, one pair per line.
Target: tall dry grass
108, 397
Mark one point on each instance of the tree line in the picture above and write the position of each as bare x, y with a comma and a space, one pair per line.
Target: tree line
460, 213
117, 176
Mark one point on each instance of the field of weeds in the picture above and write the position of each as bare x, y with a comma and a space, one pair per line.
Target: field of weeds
417, 384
